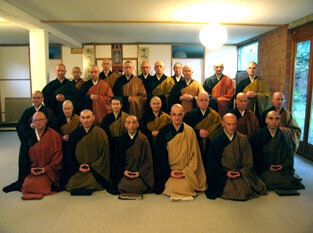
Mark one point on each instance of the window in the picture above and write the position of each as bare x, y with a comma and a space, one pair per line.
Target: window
246, 54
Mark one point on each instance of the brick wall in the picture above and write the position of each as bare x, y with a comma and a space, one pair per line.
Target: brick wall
274, 59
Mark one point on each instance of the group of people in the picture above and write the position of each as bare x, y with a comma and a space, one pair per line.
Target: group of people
132, 135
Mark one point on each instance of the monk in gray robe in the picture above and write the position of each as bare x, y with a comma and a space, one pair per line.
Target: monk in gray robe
230, 172
273, 155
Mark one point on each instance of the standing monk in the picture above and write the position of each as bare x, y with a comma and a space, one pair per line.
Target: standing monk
221, 90
53, 97
107, 75
256, 89
179, 171
287, 122
247, 123
145, 75
178, 68
131, 89
95, 95
40, 161
160, 85
186, 92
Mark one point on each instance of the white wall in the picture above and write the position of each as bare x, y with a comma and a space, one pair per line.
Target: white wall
14, 65
226, 55
52, 64
71, 60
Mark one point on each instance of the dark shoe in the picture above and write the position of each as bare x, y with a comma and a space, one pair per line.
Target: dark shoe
16, 186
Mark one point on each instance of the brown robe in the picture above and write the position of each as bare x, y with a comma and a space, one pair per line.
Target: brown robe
193, 89
184, 155
79, 83
111, 79
90, 148
224, 92
70, 126
101, 106
137, 158
47, 154
157, 124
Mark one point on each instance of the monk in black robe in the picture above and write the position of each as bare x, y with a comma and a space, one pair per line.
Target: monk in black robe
145, 75
107, 75
25, 122
132, 168
53, 96
229, 168
178, 68
273, 155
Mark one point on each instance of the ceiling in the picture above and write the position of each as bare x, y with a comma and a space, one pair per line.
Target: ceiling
163, 21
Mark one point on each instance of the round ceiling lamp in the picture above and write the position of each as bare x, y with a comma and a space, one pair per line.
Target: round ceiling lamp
213, 35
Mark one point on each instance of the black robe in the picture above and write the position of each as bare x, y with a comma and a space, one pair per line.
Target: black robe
145, 80
23, 125
49, 93
174, 77
70, 92
103, 76
208, 85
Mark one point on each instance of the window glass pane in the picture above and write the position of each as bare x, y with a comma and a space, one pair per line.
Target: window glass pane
55, 52
301, 83
247, 54
190, 51
310, 140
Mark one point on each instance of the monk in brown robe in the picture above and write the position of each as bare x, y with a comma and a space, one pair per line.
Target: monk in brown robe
287, 122
221, 90
107, 75
40, 161
179, 171
154, 120
77, 81
186, 92
132, 161
87, 158
230, 172
69, 121
206, 122
247, 123
131, 89
256, 89
95, 95
273, 155
160, 85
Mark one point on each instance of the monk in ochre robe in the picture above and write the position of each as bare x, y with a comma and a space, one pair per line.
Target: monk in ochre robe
273, 155
154, 120
40, 161
179, 171
114, 123
256, 89
221, 90
287, 122
68, 121
247, 122
145, 76
229, 168
107, 75
25, 122
132, 161
95, 95
160, 85
186, 91
51, 92
131, 89
206, 122
87, 158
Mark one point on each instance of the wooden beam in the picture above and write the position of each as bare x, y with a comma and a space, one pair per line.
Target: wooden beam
160, 22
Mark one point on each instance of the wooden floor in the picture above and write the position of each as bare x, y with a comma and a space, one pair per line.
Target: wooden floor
103, 212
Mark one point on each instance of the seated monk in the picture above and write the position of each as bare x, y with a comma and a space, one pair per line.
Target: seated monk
205, 121
230, 172
153, 121
87, 158
40, 161
273, 155
68, 121
114, 123
132, 166
287, 123
247, 122
179, 171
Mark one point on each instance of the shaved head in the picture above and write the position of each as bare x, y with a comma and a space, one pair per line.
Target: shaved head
241, 101
229, 123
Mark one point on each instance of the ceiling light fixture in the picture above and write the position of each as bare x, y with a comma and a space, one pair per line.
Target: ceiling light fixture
213, 35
